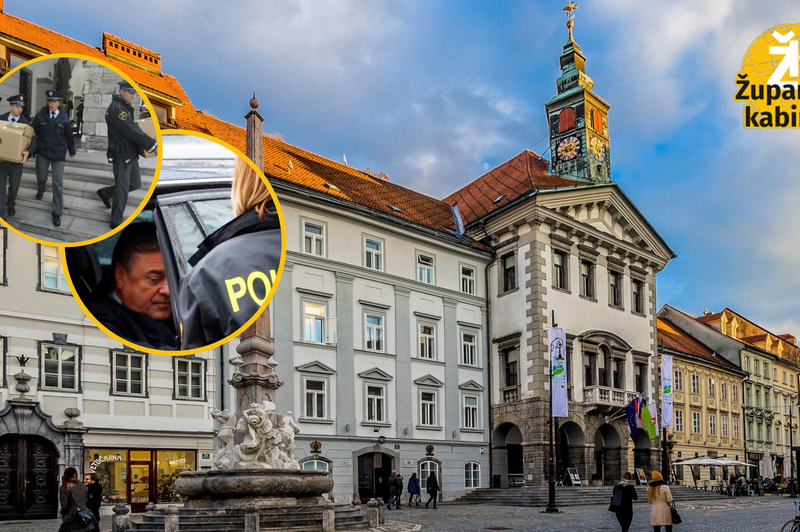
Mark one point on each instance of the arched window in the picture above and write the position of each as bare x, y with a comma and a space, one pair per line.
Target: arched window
597, 120
472, 475
566, 120
425, 469
315, 465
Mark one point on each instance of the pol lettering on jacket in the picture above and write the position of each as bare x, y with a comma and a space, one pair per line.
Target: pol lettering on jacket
238, 287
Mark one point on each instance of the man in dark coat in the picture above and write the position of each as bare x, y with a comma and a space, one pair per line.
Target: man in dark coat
95, 497
11, 173
139, 309
395, 487
125, 138
54, 137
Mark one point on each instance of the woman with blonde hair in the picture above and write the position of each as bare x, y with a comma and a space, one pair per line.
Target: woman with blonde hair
235, 266
660, 497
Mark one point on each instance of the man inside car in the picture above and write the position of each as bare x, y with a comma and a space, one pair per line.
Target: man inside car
139, 309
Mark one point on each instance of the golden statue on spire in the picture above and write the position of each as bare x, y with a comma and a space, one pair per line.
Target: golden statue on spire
570, 17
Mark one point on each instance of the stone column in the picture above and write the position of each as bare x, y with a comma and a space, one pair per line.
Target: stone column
121, 521
251, 518
328, 518
372, 513
381, 511
171, 520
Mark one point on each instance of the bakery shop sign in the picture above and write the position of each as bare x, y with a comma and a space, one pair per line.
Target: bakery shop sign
98, 459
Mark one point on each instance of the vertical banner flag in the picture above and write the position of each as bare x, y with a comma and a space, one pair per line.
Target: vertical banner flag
650, 416
632, 414
666, 391
558, 367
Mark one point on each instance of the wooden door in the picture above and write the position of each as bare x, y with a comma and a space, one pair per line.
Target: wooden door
28, 478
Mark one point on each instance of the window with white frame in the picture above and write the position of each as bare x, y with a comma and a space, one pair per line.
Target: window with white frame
426, 268
560, 270
313, 322
59, 367
637, 296
735, 426
425, 469
695, 383
52, 277
614, 288
315, 465
469, 348
374, 335
723, 391
472, 475
468, 280
316, 395
427, 408
509, 263
314, 238
427, 341
711, 388
735, 393
587, 279
376, 403
373, 253
712, 425
678, 380
190, 379
724, 421
129, 373
471, 414
696, 422
679, 420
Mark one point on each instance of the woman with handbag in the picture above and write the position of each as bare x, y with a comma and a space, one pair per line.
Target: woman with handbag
660, 498
72, 494
413, 489
622, 501
432, 485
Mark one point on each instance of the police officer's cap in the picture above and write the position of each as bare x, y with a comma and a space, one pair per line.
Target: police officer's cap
126, 85
18, 99
53, 95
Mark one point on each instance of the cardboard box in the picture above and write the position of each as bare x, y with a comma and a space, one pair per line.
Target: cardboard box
15, 138
149, 129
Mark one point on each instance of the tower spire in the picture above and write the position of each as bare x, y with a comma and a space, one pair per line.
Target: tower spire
572, 6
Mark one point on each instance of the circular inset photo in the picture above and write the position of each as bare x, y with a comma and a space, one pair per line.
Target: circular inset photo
78, 149
197, 265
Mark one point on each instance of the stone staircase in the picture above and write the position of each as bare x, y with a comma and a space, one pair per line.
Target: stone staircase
569, 496
85, 217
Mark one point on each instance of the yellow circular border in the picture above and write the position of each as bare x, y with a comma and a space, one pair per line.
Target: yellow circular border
255, 316
146, 101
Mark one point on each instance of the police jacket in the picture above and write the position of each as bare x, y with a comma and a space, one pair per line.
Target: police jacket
234, 270
124, 135
31, 148
54, 137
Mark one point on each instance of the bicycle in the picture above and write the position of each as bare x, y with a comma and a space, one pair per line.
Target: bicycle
795, 523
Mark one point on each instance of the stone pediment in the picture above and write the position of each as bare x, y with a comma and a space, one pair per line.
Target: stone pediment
471, 386
315, 367
375, 374
428, 380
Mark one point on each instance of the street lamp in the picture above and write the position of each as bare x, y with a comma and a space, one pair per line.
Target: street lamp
558, 344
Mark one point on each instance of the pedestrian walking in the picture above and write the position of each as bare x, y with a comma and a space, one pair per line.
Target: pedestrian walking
11, 173
395, 486
660, 497
399, 490
72, 495
94, 498
413, 489
624, 510
432, 485
54, 139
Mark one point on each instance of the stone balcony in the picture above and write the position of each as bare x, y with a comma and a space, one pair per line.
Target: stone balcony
605, 398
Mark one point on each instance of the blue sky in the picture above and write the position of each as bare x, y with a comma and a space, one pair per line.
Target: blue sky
434, 94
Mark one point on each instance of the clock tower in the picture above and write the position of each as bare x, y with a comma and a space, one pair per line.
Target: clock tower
578, 119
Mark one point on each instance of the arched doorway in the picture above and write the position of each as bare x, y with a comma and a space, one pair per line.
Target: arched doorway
571, 449
374, 470
608, 454
507, 456
641, 451
28, 478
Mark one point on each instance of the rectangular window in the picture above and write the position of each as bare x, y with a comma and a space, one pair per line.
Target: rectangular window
774, 373
190, 379
735, 423
428, 409
791, 379
641, 378
679, 420
471, 412
777, 435
587, 279
52, 274
426, 268
735, 393
374, 332
313, 322
510, 365
467, 280
712, 425
758, 367
759, 431
637, 290
615, 289
376, 404
590, 369
784, 377
747, 363
373, 254
560, 270
59, 367
678, 380
316, 392
696, 422
469, 349
723, 391
711, 389
695, 383
427, 341
509, 272
314, 238
748, 396
129, 372
724, 421
758, 398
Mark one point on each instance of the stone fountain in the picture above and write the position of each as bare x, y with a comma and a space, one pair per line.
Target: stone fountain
257, 483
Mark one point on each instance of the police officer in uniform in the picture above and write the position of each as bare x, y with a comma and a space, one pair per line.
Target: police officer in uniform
11, 173
234, 268
125, 137
54, 137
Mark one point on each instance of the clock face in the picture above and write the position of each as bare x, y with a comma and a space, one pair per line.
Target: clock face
597, 149
568, 148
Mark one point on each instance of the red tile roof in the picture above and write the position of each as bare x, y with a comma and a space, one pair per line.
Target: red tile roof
676, 339
523, 174
714, 316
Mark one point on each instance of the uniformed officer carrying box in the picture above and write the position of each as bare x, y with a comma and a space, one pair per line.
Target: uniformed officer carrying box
149, 128
15, 138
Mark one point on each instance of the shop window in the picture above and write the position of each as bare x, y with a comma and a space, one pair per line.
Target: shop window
111, 467
169, 464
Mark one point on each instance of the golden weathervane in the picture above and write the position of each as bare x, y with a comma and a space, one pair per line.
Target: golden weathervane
570, 16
